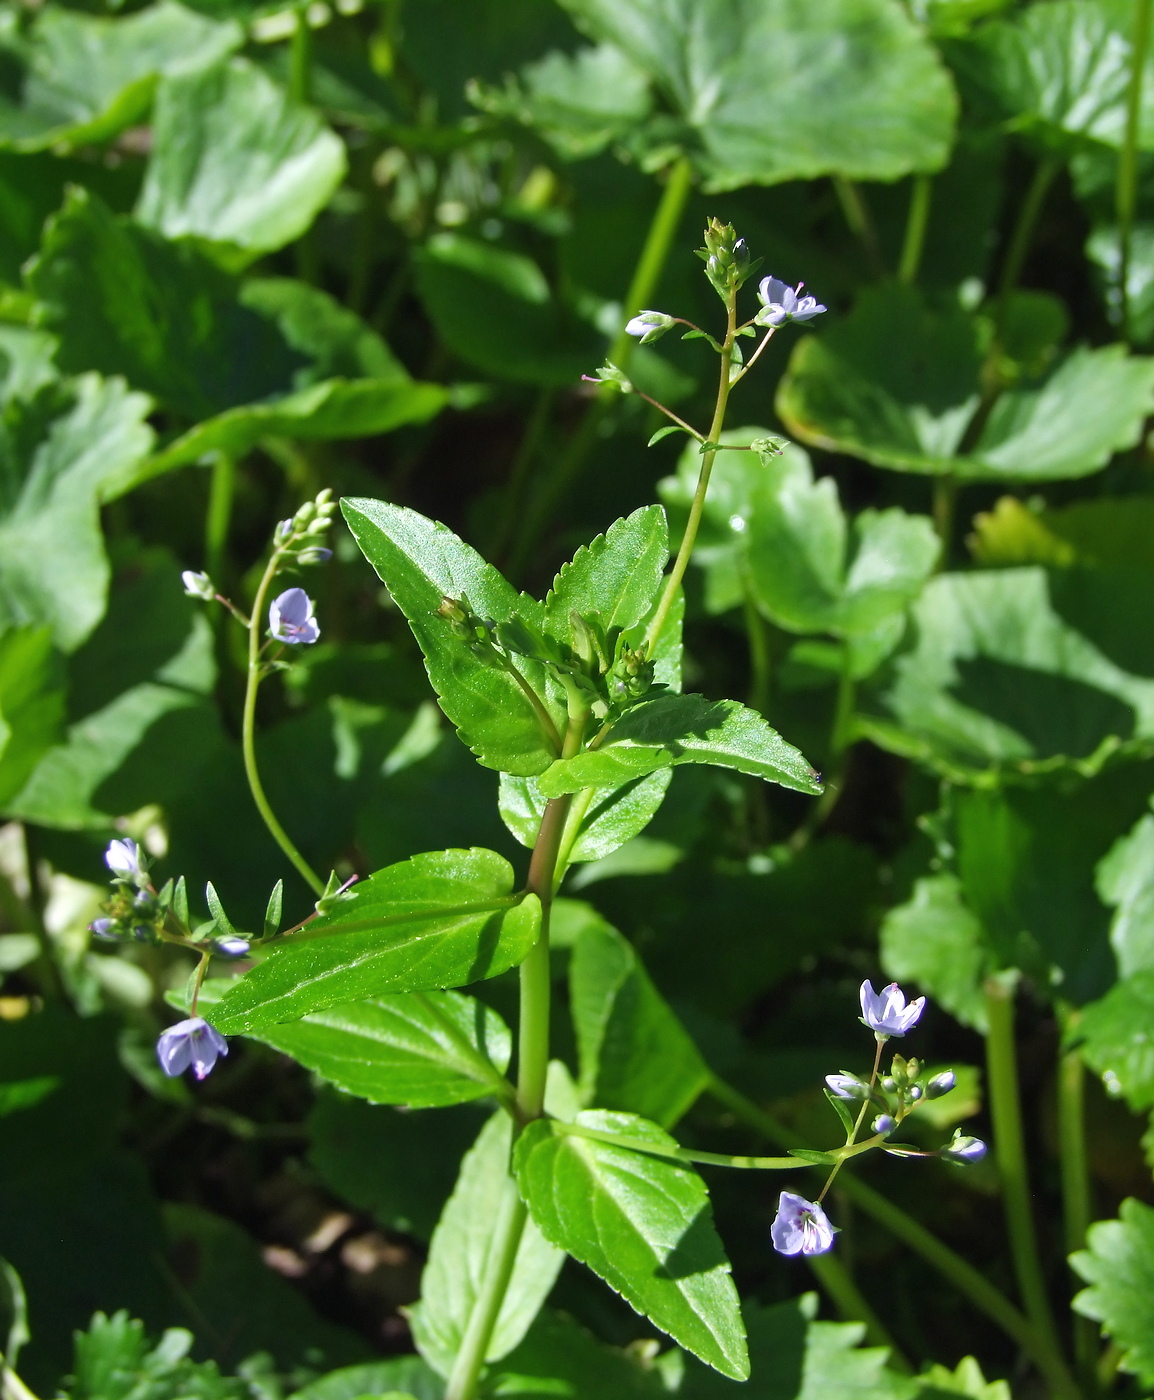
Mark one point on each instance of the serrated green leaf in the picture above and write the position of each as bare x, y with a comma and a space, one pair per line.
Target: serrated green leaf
897, 384
557, 1352
459, 1258
676, 729
443, 919
1117, 1038
615, 578
235, 161
1119, 1266
421, 563
634, 1053
420, 1049
936, 942
643, 1224
88, 76
875, 106
614, 815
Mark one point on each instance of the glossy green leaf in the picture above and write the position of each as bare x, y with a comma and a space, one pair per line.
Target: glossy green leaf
795, 1357
897, 384
495, 308
1117, 1040
421, 1049
31, 704
421, 563
62, 459
856, 89
800, 568
1060, 72
1118, 1264
459, 1258
634, 1053
997, 678
578, 102
1125, 881
236, 161
936, 942
89, 77
615, 578
614, 814
677, 729
442, 919
643, 1224
558, 1356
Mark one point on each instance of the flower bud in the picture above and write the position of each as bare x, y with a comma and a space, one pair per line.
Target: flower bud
103, 928
889, 1084
884, 1123
231, 946
314, 555
915, 1094
941, 1084
649, 325
963, 1150
283, 532
198, 586
846, 1086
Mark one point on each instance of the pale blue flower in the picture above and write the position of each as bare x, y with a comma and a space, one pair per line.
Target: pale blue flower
198, 585
103, 928
964, 1150
190, 1044
232, 946
846, 1086
800, 1226
781, 303
941, 1084
290, 618
886, 1012
123, 858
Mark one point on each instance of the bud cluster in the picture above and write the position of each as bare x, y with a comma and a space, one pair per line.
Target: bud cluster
726, 257
302, 537
135, 912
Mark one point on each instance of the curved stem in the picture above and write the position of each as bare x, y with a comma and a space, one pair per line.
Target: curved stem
945, 499
971, 1283
507, 1232
916, 224
681, 563
1009, 1146
861, 224
248, 734
1023, 234
865, 1107
1076, 1199
1127, 190
216, 525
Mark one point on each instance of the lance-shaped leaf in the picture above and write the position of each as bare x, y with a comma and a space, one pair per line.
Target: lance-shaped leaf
633, 1051
460, 1258
615, 578
235, 161
675, 729
89, 77
897, 384
642, 1223
420, 1049
443, 919
613, 816
1118, 1264
1060, 73
785, 91
421, 563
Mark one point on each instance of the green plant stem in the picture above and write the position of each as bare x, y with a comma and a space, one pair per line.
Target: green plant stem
12, 1387
300, 89
916, 223
1076, 1199
681, 563
945, 499
248, 733
1023, 235
219, 516
1127, 188
507, 1232
1010, 1150
966, 1279
647, 274
866, 1101
861, 224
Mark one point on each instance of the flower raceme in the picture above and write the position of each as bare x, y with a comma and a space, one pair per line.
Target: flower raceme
886, 1012
290, 618
191, 1044
800, 1226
